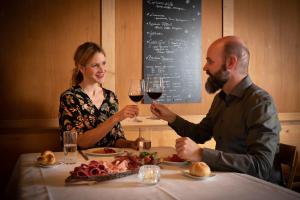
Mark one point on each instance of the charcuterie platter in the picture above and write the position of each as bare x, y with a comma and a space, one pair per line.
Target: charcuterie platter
104, 177
121, 166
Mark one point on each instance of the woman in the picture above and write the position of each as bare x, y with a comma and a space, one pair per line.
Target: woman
89, 108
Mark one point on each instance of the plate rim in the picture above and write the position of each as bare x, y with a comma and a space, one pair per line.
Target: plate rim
175, 163
187, 174
90, 153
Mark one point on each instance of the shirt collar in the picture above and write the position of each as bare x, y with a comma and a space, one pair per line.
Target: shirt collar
241, 87
238, 91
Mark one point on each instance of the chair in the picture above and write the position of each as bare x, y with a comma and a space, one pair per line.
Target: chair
288, 159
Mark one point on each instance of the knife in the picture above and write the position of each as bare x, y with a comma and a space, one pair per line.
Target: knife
83, 155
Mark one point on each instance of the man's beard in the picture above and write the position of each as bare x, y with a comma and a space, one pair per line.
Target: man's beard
216, 81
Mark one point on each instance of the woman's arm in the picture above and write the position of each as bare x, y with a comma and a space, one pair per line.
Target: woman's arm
91, 137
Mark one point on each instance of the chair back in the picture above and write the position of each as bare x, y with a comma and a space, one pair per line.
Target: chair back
288, 157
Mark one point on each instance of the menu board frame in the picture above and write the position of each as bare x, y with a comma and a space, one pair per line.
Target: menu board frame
172, 48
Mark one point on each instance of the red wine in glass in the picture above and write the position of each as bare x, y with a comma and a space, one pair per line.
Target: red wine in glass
154, 95
136, 98
154, 89
136, 92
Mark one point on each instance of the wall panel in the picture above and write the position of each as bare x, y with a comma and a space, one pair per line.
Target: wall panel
271, 28
38, 39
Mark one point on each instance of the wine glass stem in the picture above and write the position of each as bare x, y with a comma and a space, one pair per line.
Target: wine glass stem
152, 115
140, 133
136, 119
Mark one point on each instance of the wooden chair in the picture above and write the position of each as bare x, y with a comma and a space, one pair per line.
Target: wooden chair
288, 158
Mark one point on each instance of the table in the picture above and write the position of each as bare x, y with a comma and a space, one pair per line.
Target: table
31, 182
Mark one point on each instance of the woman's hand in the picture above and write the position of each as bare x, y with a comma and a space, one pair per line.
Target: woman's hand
128, 111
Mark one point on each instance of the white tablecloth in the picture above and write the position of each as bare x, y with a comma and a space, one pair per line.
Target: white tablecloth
31, 182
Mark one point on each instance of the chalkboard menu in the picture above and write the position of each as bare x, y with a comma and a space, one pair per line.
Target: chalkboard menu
172, 48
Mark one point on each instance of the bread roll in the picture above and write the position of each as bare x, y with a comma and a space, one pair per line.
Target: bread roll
42, 160
50, 159
47, 153
200, 169
47, 158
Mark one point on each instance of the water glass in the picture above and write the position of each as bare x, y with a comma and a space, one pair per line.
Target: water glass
70, 147
149, 174
146, 134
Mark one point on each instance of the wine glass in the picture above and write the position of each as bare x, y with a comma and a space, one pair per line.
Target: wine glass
136, 92
154, 89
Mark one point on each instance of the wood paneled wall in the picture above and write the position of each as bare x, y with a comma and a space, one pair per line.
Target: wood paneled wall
38, 40
271, 29
108, 41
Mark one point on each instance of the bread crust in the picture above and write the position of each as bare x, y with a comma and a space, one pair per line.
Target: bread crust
200, 169
47, 158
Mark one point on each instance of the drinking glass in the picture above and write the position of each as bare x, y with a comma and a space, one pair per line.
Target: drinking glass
144, 137
136, 92
70, 147
146, 134
154, 89
149, 174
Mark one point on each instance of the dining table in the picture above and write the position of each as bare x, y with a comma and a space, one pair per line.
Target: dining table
31, 181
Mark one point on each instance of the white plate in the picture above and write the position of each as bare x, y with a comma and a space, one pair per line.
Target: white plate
176, 163
92, 152
50, 165
187, 173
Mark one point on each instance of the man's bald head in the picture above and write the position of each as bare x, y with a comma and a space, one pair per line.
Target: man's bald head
233, 45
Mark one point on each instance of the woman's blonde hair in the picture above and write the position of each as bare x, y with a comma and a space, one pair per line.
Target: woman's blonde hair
81, 57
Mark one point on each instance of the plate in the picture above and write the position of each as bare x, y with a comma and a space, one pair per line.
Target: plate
93, 152
175, 163
187, 173
50, 165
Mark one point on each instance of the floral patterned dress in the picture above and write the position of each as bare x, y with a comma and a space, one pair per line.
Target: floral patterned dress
77, 112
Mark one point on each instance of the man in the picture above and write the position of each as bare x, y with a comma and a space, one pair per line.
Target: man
242, 118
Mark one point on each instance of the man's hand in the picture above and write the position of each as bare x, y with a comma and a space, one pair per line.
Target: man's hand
162, 112
187, 149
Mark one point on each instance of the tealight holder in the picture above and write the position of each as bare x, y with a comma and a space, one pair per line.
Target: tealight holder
149, 174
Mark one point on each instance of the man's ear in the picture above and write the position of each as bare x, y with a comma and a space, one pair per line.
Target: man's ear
231, 62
